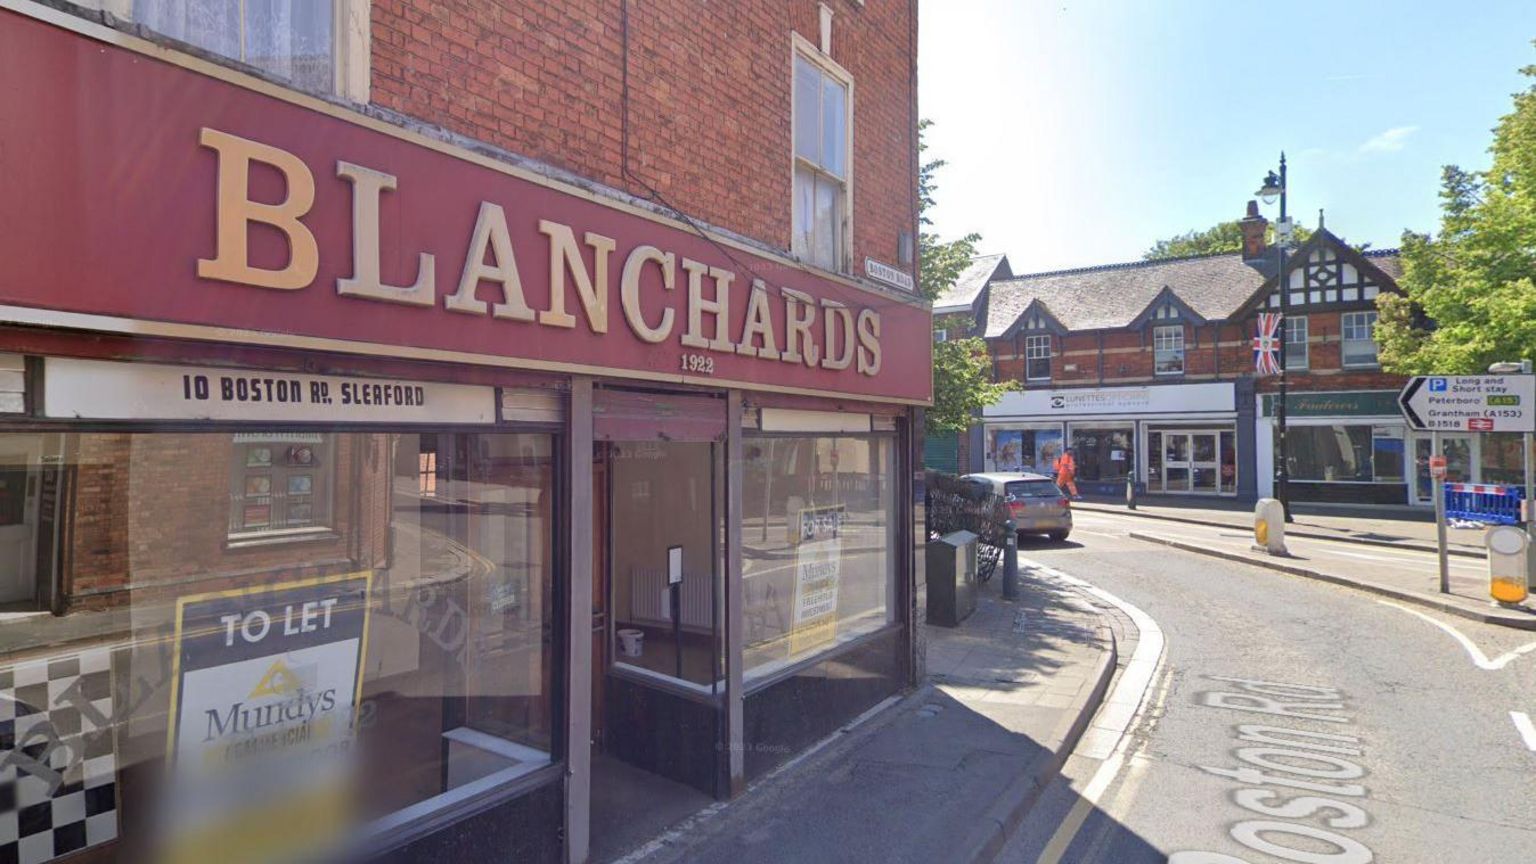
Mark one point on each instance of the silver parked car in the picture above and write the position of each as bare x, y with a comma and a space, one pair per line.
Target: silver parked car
1038, 505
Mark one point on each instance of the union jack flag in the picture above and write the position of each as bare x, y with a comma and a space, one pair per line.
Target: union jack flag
1266, 345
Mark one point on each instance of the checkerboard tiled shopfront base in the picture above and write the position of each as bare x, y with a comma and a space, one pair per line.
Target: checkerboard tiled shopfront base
58, 763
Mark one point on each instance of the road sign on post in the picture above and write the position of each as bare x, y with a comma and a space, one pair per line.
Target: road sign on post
1470, 403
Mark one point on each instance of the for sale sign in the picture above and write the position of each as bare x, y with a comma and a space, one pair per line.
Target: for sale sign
1470, 403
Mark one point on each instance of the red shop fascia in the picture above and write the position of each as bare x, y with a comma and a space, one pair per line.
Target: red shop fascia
199, 215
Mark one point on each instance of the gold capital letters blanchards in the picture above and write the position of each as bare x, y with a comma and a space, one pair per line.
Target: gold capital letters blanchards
592, 288
236, 212
759, 324
629, 291
367, 186
491, 233
800, 310
719, 308
869, 342
837, 321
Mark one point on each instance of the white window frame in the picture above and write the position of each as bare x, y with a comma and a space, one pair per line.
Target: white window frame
803, 48
941, 334
1167, 338
1345, 326
1037, 347
1305, 360
351, 43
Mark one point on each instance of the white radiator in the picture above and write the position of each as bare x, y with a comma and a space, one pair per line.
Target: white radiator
650, 598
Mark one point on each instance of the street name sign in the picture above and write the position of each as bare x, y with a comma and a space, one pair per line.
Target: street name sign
1470, 403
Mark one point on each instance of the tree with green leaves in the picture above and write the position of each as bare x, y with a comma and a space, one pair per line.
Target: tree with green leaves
1469, 294
1221, 237
962, 372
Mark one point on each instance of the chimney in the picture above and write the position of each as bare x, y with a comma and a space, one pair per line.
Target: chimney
1253, 227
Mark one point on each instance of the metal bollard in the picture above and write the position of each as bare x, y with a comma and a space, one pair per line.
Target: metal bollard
1011, 562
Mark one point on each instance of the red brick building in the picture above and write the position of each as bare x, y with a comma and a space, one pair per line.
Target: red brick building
1148, 369
484, 429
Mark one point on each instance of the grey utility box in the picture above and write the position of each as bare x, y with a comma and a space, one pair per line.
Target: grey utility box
951, 578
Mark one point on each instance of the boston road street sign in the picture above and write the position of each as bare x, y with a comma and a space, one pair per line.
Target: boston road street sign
1470, 403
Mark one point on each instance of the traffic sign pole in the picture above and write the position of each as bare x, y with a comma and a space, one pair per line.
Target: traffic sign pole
1439, 487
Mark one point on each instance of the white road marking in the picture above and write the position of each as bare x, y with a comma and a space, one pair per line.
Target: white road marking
1526, 728
1478, 657
1133, 688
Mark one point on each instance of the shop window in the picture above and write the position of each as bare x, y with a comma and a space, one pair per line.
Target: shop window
280, 483
1331, 453
1168, 350
1037, 358
1500, 459
1228, 463
1103, 453
1358, 331
1028, 449
1387, 453
311, 694
822, 121
1296, 342
296, 40
663, 497
818, 546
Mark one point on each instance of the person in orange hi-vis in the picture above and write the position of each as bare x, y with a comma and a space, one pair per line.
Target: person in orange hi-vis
1066, 472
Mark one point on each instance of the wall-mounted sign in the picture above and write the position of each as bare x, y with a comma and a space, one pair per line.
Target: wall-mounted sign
1354, 403
1470, 403
889, 275
291, 222
261, 740
108, 390
1091, 401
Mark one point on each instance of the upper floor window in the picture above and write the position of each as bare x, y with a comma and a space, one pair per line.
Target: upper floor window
1359, 338
1296, 342
292, 39
941, 335
1037, 358
821, 120
1168, 350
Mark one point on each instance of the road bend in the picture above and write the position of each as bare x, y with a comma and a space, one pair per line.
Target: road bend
1294, 720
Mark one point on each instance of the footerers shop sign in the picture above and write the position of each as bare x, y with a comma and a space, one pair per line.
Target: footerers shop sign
261, 739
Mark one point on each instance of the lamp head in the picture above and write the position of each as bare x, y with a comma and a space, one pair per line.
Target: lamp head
1271, 189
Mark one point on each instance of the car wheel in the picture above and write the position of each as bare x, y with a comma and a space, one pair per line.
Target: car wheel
1059, 536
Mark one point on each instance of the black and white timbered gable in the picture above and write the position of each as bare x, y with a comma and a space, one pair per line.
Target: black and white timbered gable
1324, 274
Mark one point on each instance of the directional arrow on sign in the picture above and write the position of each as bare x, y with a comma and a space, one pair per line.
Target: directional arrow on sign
1405, 402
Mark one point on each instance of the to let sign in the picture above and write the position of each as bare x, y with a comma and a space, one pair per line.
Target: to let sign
1470, 403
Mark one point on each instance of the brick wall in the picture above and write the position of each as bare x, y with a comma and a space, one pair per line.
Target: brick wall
152, 512
1211, 352
709, 90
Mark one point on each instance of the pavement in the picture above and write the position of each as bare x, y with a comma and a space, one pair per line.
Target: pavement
947, 773
1294, 720
1402, 572
1403, 528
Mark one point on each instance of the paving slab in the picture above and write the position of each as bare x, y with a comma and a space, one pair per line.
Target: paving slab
1403, 528
946, 773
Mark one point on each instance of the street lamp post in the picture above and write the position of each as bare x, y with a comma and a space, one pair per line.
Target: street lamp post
1275, 185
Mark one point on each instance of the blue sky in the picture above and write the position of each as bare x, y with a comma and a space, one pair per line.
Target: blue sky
1079, 132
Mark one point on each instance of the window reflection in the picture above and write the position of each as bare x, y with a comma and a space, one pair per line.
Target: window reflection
147, 546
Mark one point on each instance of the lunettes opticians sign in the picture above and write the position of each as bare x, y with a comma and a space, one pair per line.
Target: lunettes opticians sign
241, 212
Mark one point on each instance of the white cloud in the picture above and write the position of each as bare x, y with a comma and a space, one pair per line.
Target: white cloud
1390, 141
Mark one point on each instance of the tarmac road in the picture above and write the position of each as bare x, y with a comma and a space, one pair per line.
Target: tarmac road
1293, 720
